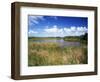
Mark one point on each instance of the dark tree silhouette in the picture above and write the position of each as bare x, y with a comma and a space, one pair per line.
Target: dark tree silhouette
84, 37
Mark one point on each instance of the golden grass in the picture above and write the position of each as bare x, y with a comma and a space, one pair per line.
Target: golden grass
40, 54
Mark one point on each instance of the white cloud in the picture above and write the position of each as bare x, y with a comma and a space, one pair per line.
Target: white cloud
34, 19
67, 29
32, 32
37, 17
54, 30
73, 28
81, 29
75, 31
71, 31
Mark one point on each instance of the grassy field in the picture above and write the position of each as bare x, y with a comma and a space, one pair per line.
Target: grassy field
44, 54
71, 38
44, 38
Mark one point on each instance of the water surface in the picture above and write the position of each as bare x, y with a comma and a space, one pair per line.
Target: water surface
61, 42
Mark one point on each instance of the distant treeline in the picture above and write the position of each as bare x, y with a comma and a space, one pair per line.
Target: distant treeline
43, 38
82, 38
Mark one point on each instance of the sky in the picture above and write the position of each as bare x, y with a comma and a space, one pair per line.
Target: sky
56, 26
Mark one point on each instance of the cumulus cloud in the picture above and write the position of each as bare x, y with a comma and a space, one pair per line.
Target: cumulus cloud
82, 29
32, 32
66, 31
54, 30
75, 31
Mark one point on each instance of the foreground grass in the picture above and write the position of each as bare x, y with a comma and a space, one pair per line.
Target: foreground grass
43, 54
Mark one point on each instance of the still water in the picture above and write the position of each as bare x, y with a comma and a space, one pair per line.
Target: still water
61, 42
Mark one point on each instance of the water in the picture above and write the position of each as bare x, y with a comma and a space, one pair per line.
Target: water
61, 42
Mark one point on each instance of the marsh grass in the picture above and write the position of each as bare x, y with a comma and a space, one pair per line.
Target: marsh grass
43, 54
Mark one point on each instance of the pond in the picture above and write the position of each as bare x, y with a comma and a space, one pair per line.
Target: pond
61, 42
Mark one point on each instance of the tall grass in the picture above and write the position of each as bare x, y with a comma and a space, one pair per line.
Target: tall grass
43, 54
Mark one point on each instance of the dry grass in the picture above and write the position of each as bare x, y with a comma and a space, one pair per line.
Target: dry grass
41, 54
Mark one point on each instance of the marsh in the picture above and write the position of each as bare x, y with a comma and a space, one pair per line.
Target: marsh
57, 40
43, 52
61, 42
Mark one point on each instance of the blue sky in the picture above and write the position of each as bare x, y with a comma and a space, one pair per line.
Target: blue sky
54, 26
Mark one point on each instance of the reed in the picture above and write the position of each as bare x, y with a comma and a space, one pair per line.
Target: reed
44, 54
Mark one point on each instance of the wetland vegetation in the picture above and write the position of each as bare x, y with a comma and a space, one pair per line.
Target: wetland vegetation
57, 50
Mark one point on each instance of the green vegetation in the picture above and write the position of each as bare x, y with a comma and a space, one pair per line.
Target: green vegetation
72, 38
43, 54
44, 38
50, 53
82, 38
